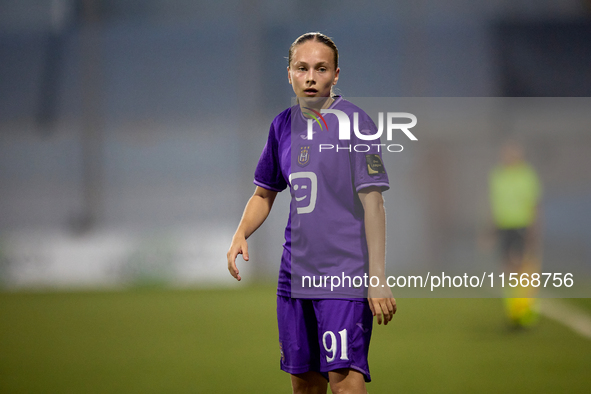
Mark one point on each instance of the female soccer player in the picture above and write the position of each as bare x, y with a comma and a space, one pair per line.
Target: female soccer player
336, 227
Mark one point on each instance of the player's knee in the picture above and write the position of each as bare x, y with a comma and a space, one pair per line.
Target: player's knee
302, 388
308, 383
345, 388
347, 381
337, 388
307, 388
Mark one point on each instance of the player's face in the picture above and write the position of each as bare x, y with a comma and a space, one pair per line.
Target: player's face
312, 70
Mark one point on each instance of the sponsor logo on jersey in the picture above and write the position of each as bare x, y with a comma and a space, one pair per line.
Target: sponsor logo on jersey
304, 188
374, 164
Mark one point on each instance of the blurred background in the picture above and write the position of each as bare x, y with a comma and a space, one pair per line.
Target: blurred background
130, 129
129, 135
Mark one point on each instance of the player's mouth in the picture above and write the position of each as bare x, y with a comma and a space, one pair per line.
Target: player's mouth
310, 92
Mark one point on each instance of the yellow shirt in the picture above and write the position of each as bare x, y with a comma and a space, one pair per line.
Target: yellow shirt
514, 193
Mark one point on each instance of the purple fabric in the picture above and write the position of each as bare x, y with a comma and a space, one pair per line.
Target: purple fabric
307, 329
325, 233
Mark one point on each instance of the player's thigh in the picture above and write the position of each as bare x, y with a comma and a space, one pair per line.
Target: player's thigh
298, 336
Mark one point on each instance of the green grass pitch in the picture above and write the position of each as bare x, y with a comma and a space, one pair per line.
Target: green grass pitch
225, 341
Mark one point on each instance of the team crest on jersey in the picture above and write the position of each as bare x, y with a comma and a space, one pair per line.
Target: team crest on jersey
304, 155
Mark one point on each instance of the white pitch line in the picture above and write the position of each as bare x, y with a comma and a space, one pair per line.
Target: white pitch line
572, 317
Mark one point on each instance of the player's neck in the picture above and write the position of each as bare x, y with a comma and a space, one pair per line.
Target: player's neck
315, 104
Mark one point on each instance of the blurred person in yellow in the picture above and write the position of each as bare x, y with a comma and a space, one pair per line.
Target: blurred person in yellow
515, 193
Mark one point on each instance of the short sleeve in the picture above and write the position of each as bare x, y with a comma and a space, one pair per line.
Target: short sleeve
367, 166
268, 173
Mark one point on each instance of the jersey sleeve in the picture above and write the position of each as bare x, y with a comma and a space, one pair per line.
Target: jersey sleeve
367, 167
268, 173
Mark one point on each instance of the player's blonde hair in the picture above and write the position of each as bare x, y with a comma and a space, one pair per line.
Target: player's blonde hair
315, 36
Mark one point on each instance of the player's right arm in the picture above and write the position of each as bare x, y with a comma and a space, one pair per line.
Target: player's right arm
256, 211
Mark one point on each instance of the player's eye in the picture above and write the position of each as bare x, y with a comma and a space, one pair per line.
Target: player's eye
322, 69
301, 68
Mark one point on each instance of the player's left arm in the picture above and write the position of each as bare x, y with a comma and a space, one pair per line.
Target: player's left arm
381, 300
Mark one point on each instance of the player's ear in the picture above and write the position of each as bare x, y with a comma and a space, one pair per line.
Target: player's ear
336, 76
288, 75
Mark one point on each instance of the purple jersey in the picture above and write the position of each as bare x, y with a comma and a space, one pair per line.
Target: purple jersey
325, 233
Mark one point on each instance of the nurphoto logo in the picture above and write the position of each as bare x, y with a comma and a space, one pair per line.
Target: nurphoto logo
345, 129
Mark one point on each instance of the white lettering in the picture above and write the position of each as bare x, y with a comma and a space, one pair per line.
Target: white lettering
368, 137
390, 150
404, 126
344, 124
378, 145
357, 148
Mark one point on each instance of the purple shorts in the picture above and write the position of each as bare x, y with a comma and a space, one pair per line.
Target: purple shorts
324, 335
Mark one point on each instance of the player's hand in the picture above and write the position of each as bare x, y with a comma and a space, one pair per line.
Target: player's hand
238, 246
382, 303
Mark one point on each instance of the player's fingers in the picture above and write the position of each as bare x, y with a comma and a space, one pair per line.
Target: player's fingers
233, 270
245, 252
390, 309
394, 306
385, 311
232, 264
379, 312
370, 302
